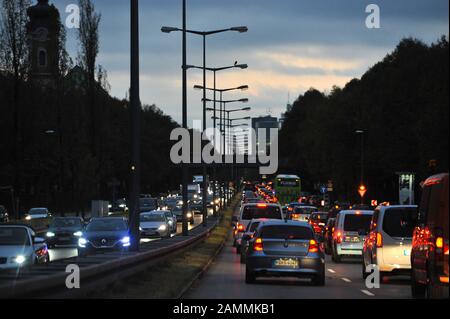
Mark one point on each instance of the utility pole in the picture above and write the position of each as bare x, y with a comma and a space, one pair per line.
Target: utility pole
135, 108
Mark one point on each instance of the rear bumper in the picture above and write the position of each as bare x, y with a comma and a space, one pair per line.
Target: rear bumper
262, 266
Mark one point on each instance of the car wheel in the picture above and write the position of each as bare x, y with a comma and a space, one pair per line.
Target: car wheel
417, 289
250, 277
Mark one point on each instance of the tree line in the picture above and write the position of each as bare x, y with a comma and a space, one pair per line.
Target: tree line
401, 104
64, 146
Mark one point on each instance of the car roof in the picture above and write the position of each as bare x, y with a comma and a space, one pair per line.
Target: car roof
354, 212
279, 222
384, 207
259, 204
109, 218
17, 226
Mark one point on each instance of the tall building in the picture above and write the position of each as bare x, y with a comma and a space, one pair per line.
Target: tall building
43, 37
266, 123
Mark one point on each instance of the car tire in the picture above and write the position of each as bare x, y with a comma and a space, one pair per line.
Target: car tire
250, 277
418, 290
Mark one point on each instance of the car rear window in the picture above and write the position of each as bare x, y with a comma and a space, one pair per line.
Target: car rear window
252, 227
305, 210
318, 217
357, 223
400, 222
286, 232
257, 212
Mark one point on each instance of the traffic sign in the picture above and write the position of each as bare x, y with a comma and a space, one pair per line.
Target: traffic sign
362, 191
323, 189
374, 203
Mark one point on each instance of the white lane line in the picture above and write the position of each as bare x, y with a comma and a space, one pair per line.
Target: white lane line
331, 270
346, 279
368, 293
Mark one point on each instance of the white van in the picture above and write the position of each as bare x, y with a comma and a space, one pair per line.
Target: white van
350, 231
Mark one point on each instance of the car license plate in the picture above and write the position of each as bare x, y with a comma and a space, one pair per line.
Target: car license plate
289, 263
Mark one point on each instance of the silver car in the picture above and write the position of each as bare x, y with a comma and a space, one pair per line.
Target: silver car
285, 249
172, 218
38, 213
155, 225
20, 249
389, 243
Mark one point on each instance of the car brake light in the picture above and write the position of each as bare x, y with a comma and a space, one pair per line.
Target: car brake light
339, 238
295, 216
240, 228
443, 279
439, 243
262, 205
379, 240
313, 247
41, 252
258, 246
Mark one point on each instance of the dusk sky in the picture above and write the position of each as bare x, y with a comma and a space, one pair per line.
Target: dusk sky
291, 46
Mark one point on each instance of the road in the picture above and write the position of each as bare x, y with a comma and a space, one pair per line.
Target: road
64, 253
343, 281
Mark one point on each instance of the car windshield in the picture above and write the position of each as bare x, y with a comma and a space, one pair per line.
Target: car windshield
107, 225
66, 222
357, 223
262, 211
37, 211
400, 222
286, 232
319, 217
152, 218
14, 236
305, 210
252, 227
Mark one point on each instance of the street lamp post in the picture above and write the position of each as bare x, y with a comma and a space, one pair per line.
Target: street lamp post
362, 132
204, 34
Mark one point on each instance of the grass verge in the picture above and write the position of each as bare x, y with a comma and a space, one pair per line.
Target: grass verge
166, 279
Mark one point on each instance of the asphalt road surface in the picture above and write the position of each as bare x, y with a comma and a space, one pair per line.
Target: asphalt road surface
64, 253
225, 280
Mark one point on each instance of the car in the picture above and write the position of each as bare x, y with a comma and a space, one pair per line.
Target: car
4, 217
328, 235
285, 249
388, 245
20, 249
172, 219
64, 231
154, 224
302, 213
248, 235
38, 213
253, 211
119, 206
350, 231
429, 253
178, 211
196, 206
104, 234
318, 221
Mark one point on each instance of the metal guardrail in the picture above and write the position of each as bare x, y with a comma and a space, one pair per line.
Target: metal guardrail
49, 281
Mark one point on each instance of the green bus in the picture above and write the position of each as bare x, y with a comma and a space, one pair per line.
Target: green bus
288, 188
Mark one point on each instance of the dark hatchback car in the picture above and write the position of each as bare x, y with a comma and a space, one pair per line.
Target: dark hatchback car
429, 254
104, 234
285, 249
64, 231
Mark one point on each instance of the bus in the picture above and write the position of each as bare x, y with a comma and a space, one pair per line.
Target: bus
288, 188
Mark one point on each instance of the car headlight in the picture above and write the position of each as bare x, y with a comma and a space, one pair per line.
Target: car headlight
170, 222
109, 206
122, 205
125, 241
82, 242
28, 217
78, 234
189, 215
20, 259
50, 234
162, 227
141, 229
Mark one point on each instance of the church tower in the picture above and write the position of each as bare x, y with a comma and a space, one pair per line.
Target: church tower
43, 37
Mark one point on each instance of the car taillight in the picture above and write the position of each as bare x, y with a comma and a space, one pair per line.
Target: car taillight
258, 246
41, 251
313, 247
439, 243
240, 228
379, 240
339, 238
295, 216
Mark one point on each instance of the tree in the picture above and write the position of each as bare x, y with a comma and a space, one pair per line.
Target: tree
89, 41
